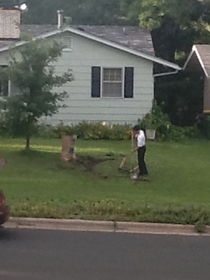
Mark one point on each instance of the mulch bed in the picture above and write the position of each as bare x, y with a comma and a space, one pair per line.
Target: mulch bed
2, 162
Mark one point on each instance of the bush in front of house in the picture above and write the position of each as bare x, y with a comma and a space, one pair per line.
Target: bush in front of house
2, 128
178, 133
165, 131
101, 131
204, 126
155, 119
91, 131
98, 131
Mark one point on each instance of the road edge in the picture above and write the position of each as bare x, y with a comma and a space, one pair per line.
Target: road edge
103, 226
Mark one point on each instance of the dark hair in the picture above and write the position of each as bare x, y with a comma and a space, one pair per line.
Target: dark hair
136, 128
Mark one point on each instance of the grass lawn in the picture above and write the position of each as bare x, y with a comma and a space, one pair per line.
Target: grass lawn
37, 183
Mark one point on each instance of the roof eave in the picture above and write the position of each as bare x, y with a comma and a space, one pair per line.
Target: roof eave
123, 48
195, 50
103, 41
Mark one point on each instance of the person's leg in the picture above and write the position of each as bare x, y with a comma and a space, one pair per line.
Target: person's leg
141, 161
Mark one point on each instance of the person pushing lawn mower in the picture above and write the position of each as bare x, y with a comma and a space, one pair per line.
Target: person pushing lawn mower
140, 148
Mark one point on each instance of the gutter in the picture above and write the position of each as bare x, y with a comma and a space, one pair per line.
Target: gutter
166, 73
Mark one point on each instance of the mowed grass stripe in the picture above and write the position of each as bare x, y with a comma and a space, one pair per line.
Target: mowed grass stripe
179, 174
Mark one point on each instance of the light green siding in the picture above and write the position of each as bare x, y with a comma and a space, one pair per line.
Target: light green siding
81, 107
86, 53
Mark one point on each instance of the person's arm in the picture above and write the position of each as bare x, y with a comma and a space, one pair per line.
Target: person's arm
135, 149
140, 140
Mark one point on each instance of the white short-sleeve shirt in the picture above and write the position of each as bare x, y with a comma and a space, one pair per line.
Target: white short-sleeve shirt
140, 137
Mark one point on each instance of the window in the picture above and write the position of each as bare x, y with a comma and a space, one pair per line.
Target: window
4, 88
14, 89
112, 82
67, 43
4, 84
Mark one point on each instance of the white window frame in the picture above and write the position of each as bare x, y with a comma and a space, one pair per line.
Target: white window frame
9, 90
122, 82
9, 87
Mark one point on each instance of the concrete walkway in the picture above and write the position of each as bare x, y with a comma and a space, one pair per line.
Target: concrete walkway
103, 226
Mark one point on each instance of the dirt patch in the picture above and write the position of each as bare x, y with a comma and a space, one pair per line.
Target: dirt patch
87, 163
2, 162
90, 162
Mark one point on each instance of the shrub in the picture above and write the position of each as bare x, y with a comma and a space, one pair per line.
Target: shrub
88, 131
2, 127
92, 131
204, 126
156, 119
2, 120
200, 226
165, 131
178, 133
99, 131
119, 132
109, 209
59, 130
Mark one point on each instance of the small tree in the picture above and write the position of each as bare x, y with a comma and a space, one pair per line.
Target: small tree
33, 73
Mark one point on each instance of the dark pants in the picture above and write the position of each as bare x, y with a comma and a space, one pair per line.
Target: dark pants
141, 162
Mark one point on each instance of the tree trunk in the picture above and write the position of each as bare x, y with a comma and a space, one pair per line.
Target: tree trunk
27, 143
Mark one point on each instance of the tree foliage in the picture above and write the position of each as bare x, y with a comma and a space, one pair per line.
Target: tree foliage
181, 97
93, 12
175, 26
33, 73
9, 3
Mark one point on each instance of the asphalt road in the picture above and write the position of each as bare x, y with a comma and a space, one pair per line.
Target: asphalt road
65, 255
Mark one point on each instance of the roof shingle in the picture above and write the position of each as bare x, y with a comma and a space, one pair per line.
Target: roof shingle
133, 37
204, 53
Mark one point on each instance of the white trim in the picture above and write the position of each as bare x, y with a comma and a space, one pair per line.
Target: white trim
195, 50
9, 87
165, 74
206, 111
188, 59
101, 81
103, 41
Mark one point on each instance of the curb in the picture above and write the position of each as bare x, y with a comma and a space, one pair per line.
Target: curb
103, 226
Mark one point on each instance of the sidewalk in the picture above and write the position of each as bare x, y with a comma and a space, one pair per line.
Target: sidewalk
103, 226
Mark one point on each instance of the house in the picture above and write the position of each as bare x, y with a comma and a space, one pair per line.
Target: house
199, 61
112, 68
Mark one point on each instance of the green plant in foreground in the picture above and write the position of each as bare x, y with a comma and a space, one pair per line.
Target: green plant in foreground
200, 226
108, 209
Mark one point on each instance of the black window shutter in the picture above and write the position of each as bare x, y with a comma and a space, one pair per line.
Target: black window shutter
128, 86
96, 81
